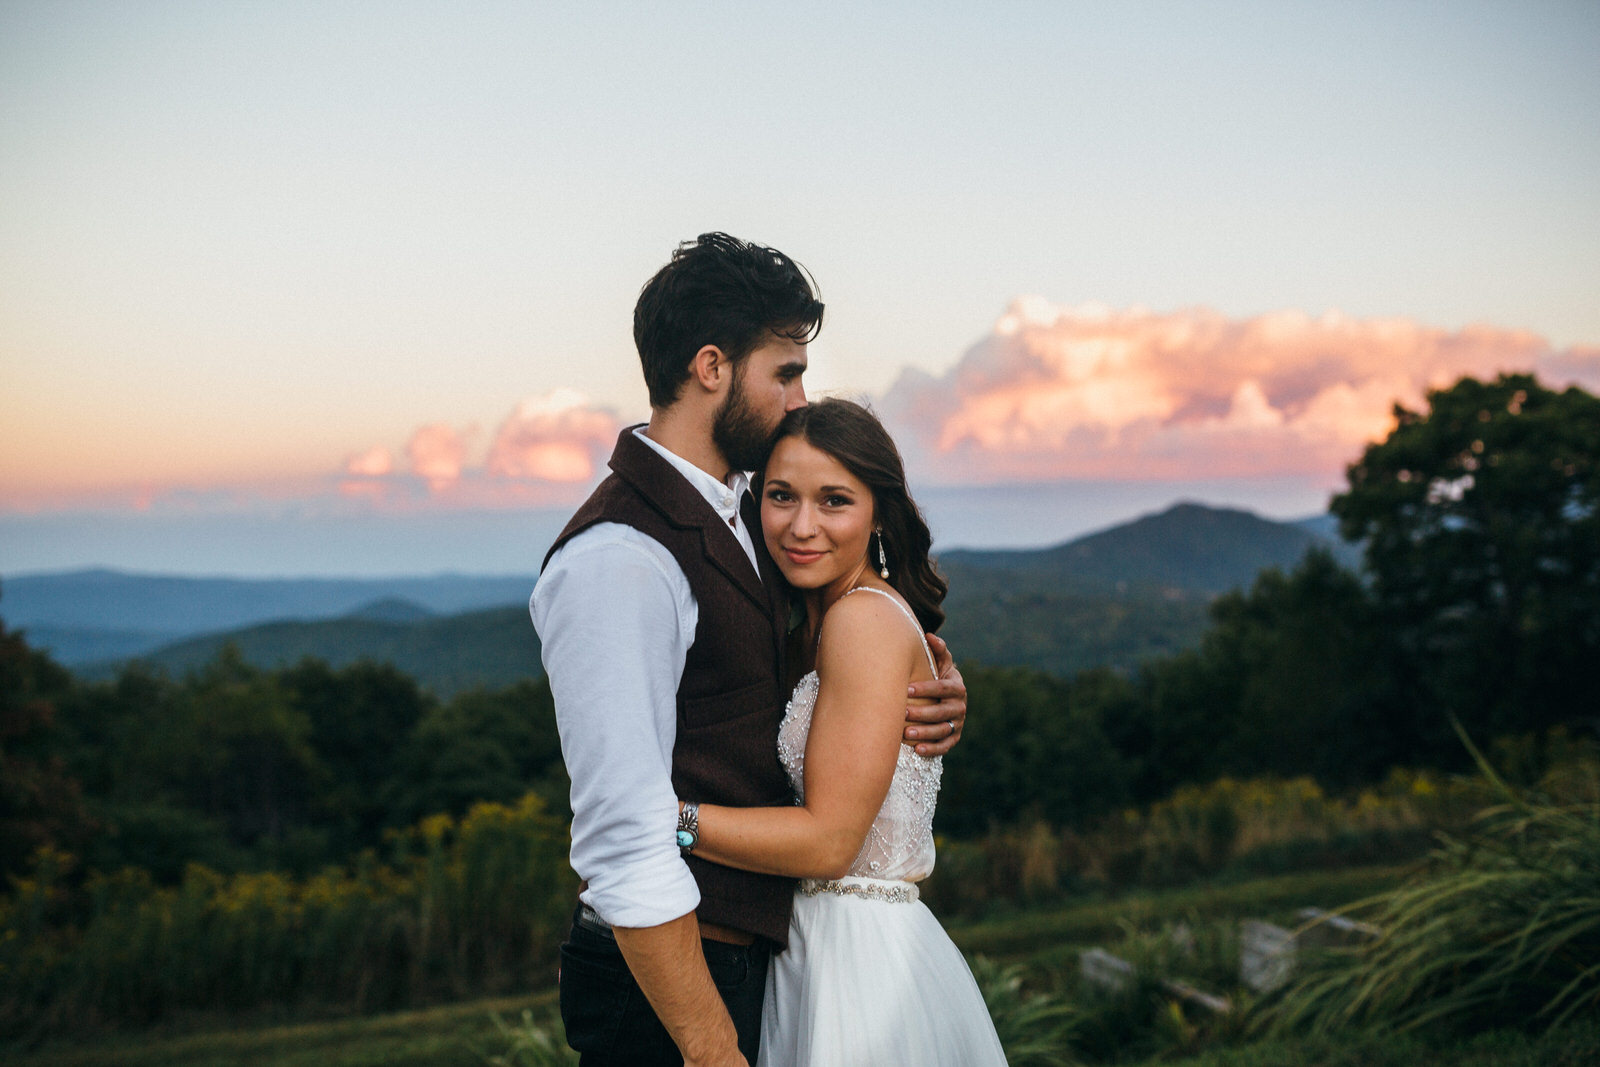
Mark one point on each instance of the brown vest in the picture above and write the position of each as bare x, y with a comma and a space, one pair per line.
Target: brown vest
732, 695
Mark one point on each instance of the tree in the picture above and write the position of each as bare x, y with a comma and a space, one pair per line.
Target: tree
485, 744
245, 752
361, 717
39, 800
1311, 680
1030, 752
1481, 520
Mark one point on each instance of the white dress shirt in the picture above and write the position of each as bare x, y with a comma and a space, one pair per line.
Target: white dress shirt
616, 619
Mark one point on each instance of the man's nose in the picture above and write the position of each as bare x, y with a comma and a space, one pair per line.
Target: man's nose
797, 397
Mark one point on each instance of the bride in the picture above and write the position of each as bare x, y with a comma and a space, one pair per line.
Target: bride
869, 976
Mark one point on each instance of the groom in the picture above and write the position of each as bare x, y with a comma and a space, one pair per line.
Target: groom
663, 623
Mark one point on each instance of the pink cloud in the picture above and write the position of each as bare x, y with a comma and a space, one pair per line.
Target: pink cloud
559, 437
437, 453
373, 463
546, 452
1092, 392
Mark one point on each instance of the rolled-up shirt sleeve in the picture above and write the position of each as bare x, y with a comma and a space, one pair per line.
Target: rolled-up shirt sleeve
615, 619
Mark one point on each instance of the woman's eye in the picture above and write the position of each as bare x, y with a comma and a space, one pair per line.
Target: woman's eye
837, 501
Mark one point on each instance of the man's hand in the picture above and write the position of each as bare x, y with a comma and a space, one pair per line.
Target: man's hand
935, 728
670, 967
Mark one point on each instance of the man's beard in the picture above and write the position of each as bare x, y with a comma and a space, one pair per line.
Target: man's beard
738, 431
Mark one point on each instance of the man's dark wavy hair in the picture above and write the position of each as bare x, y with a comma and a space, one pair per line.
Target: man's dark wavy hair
719, 290
852, 434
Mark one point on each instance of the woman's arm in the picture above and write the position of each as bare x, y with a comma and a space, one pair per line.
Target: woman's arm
867, 656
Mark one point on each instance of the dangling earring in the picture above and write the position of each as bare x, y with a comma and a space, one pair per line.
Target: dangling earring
883, 562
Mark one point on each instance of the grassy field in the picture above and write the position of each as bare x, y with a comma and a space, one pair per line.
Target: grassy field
1044, 934
453, 1035
461, 1034
1575, 1046
464, 1034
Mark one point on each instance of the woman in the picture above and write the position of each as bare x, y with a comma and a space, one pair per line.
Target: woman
869, 976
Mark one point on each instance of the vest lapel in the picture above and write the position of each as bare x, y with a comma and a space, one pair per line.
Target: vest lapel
772, 581
682, 506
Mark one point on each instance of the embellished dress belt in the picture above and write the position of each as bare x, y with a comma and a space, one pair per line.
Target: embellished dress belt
884, 889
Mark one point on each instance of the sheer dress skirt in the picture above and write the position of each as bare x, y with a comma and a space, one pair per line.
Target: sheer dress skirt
871, 978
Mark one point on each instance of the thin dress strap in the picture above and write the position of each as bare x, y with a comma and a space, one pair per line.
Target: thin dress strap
904, 611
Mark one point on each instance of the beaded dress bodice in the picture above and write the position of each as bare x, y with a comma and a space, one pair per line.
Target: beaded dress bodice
899, 846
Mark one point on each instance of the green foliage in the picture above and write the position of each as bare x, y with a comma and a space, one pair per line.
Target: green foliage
357, 716
447, 655
1481, 518
1029, 751
1023, 621
482, 745
1574, 1046
451, 1035
465, 908
532, 1042
1294, 677
39, 800
1053, 934
237, 768
1308, 678
1503, 929
1035, 1027
1229, 826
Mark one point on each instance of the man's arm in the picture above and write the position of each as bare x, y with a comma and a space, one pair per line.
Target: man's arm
615, 619
685, 998
936, 728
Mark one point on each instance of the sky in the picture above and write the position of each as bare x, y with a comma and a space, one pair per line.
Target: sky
323, 288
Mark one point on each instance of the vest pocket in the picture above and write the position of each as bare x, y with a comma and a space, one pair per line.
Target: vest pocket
716, 708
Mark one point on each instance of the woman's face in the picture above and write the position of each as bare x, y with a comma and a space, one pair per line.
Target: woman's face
817, 517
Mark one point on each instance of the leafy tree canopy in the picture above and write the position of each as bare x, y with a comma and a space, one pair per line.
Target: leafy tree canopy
1481, 519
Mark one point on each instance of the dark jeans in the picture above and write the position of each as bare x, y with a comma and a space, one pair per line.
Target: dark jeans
608, 1019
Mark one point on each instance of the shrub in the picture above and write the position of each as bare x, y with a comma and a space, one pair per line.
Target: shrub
465, 908
1503, 929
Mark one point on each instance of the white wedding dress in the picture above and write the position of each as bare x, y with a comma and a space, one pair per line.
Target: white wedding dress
870, 978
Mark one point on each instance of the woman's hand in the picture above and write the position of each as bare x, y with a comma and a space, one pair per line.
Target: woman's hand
935, 728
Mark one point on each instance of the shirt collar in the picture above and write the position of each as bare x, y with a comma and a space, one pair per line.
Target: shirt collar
723, 498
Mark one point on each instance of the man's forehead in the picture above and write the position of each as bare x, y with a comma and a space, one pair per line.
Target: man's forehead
784, 352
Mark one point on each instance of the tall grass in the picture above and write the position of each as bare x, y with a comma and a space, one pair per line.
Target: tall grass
1233, 826
532, 1041
1036, 1026
462, 908
1503, 929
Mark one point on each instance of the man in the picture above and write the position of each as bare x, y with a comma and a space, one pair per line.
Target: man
663, 622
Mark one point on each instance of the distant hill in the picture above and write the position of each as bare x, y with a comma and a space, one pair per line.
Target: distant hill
91, 615
488, 648
1111, 598
79, 645
391, 609
1188, 547
1115, 597
172, 603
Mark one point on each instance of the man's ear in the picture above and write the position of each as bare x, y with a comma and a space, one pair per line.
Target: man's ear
711, 369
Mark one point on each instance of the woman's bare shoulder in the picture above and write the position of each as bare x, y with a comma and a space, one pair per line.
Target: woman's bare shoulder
864, 626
